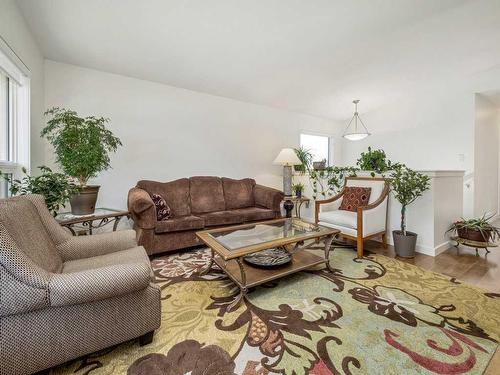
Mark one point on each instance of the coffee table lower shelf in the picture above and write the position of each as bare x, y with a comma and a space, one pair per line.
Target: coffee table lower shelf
256, 276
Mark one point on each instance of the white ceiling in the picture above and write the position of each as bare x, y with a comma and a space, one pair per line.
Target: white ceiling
310, 56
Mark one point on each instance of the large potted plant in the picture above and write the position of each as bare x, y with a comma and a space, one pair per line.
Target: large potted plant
82, 146
55, 187
406, 185
375, 162
476, 229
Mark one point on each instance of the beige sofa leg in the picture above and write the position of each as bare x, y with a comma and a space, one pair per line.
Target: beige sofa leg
384, 240
360, 246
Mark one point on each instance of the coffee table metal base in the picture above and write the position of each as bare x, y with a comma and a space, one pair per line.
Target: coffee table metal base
246, 276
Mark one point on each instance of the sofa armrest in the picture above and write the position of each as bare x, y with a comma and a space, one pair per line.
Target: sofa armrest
268, 197
79, 247
98, 284
142, 208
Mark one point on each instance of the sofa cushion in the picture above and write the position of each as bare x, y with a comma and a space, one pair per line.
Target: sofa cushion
354, 197
213, 219
255, 214
177, 224
238, 193
207, 194
175, 193
129, 256
340, 217
163, 211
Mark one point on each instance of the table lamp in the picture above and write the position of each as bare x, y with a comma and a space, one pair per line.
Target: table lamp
287, 158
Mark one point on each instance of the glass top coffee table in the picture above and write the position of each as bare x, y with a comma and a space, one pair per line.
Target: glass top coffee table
229, 246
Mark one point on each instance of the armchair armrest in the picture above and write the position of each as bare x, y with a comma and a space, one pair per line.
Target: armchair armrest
142, 208
372, 218
98, 244
268, 197
318, 203
97, 284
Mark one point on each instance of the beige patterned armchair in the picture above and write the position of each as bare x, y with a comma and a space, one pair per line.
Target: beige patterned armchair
62, 296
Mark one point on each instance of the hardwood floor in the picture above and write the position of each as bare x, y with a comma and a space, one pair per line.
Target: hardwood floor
482, 271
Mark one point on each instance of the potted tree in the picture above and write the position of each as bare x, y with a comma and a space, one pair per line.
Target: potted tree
476, 229
407, 185
55, 187
82, 147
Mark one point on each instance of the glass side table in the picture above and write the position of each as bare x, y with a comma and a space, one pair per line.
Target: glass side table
85, 224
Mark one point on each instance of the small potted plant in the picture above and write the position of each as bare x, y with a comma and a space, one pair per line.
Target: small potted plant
82, 147
476, 229
298, 188
406, 185
305, 157
55, 187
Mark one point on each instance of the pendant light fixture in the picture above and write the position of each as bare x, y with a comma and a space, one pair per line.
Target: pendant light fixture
355, 132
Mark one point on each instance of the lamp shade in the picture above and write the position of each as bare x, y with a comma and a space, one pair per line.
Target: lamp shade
287, 156
353, 132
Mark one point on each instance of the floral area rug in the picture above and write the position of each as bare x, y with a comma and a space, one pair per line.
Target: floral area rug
375, 315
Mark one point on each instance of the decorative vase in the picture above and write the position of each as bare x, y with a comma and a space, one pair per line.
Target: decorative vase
404, 244
298, 193
84, 202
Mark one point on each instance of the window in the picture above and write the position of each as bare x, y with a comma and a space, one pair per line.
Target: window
320, 146
14, 116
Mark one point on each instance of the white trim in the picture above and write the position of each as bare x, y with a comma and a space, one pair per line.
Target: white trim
444, 173
11, 63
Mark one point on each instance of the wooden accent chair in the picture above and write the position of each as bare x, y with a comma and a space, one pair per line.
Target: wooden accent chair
369, 221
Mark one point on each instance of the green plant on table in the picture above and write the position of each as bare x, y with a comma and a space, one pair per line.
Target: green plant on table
55, 187
481, 224
298, 187
375, 161
407, 185
305, 156
82, 144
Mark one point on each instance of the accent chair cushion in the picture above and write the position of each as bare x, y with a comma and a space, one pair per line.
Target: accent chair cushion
162, 209
22, 222
207, 194
175, 193
354, 197
341, 218
129, 256
255, 214
178, 224
238, 193
213, 219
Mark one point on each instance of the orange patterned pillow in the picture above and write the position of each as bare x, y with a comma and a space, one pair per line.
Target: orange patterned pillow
355, 196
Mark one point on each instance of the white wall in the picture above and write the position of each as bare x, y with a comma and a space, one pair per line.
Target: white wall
14, 30
485, 157
170, 133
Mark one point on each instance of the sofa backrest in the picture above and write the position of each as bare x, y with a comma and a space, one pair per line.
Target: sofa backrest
238, 193
20, 218
206, 194
175, 193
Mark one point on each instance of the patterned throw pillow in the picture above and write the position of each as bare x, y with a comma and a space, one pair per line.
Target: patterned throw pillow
162, 209
355, 196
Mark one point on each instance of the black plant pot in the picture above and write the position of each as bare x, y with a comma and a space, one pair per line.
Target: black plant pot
404, 245
84, 202
298, 194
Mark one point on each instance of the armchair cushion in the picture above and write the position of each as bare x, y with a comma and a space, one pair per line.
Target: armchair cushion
130, 256
354, 197
177, 224
98, 284
21, 220
98, 244
340, 218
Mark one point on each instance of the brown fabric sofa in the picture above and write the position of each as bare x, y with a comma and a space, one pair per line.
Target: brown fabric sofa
62, 296
197, 203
